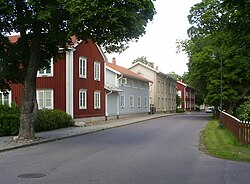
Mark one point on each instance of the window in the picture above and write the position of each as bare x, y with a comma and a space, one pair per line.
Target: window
145, 102
97, 71
97, 100
82, 67
131, 101
45, 99
48, 72
83, 99
5, 98
159, 100
138, 101
122, 101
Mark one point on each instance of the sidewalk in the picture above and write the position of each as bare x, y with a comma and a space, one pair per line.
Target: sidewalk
7, 143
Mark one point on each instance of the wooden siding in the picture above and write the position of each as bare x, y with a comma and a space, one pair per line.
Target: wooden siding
57, 83
91, 52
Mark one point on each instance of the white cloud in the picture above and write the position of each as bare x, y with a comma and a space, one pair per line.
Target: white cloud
158, 44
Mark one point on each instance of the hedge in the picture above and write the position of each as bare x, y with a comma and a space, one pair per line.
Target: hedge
52, 119
46, 120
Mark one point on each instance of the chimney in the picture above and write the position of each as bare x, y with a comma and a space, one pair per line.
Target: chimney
156, 67
114, 61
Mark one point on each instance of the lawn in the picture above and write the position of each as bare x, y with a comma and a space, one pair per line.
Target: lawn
219, 142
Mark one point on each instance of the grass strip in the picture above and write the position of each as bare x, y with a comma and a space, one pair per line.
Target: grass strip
220, 142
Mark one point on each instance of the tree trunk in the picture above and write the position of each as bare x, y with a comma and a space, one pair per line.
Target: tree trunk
29, 104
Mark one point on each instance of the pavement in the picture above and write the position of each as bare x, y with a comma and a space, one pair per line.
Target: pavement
8, 143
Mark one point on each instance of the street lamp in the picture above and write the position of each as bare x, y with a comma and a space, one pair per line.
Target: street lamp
213, 57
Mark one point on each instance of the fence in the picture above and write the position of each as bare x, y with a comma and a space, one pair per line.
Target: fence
240, 129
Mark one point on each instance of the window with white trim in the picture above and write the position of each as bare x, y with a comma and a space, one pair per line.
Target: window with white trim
47, 71
82, 99
97, 100
5, 98
45, 99
131, 101
82, 67
139, 102
122, 101
97, 70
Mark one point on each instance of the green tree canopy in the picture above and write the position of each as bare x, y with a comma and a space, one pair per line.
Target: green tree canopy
46, 25
213, 31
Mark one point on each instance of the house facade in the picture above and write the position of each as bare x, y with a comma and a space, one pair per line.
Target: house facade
187, 95
73, 83
127, 93
163, 89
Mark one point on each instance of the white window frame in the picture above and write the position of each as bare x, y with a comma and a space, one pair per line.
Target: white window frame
139, 101
45, 73
3, 98
44, 99
122, 101
131, 101
97, 100
82, 99
97, 71
82, 67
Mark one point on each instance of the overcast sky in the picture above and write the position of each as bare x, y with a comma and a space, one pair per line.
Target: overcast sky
159, 43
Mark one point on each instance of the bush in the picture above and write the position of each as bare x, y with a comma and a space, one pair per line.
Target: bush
179, 110
9, 120
243, 111
52, 119
46, 120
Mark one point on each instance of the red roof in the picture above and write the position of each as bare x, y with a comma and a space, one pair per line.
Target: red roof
13, 39
126, 72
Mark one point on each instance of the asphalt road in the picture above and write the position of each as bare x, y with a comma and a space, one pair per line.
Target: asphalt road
160, 151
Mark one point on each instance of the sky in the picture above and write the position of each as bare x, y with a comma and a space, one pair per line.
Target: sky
159, 43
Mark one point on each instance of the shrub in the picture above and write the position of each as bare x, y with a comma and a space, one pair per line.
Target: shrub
9, 120
179, 110
52, 119
243, 111
9, 124
46, 120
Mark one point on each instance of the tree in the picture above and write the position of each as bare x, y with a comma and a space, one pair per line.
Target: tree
175, 75
213, 31
243, 111
44, 26
143, 60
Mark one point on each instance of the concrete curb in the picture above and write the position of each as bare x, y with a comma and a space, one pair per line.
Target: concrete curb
52, 136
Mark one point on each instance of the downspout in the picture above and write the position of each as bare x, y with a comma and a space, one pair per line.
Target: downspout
106, 111
149, 103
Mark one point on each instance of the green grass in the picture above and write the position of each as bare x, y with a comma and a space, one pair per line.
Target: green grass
220, 142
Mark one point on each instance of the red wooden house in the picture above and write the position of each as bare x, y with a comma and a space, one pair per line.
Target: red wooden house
74, 83
187, 95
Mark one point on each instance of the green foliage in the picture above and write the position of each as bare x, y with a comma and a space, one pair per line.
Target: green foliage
213, 31
179, 110
178, 100
47, 120
243, 111
143, 60
9, 120
52, 119
44, 26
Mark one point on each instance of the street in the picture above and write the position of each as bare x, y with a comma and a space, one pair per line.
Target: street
159, 151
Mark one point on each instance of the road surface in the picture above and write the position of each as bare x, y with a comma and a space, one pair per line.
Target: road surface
159, 151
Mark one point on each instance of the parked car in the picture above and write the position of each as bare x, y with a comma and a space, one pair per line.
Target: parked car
209, 110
